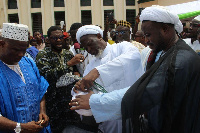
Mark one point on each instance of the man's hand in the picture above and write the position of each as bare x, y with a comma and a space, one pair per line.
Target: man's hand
76, 59
81, 101
43, 120
30, 127
87, 81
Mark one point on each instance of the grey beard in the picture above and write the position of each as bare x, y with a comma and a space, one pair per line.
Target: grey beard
99, 53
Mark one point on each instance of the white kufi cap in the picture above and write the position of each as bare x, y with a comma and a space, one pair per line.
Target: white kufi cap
15, 31
87, 30
161, 14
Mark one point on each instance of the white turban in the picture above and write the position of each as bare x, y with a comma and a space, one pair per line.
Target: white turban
161, 14
87, 30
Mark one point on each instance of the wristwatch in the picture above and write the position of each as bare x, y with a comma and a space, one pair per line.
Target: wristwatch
18, 128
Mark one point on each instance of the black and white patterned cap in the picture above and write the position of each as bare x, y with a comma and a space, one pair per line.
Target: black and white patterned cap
15, 31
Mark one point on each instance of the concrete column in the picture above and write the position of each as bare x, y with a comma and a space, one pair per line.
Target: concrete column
5, 6
120, 9
47, 15
72, 12
97, 12
23, 13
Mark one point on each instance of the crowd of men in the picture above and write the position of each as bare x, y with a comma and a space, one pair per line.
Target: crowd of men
85, 81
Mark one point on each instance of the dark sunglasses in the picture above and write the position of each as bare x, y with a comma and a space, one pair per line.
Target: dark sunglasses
56, 38
121, 32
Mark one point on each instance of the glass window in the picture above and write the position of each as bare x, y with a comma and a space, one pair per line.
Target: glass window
37, 22
35, 3
13, 18
130, 16
108, 3
59, 16
86, 17
106, 12
12, 4
85, 2
59, 3
130, 2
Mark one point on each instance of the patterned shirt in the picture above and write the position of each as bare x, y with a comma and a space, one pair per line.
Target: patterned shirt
52, 66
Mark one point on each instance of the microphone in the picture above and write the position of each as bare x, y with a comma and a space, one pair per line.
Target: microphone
77, 48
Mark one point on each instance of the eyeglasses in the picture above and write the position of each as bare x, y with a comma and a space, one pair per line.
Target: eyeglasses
121, 32
56, 38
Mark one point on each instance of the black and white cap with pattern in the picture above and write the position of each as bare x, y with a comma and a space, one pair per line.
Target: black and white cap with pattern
15, 31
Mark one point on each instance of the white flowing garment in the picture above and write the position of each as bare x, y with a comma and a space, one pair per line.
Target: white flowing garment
118, 66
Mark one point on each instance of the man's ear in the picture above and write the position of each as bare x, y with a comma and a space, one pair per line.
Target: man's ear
2, 42
165, 27
99, 36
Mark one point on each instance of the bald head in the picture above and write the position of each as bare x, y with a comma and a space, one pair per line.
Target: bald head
139, 37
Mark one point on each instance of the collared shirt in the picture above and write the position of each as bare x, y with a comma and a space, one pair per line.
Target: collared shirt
52, 65
138, 45
195, 45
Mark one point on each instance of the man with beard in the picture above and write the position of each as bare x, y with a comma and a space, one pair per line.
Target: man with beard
114, 66
52, 64
168, 93
123, 33
192, 39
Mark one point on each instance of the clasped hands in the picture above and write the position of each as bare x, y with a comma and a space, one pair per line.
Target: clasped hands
35, 127
84, 85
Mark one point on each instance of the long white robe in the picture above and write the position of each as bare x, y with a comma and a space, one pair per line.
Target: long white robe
119, 66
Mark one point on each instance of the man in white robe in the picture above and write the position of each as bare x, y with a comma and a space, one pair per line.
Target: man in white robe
115, 66
192, 39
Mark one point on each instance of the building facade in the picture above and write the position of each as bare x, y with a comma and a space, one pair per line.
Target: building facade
39, 15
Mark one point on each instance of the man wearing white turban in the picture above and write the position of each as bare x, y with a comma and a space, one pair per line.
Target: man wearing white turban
167, 94
115, 66
192, 39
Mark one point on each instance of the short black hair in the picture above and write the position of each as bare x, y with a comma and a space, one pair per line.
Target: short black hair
36, 31
75, 26
52, 28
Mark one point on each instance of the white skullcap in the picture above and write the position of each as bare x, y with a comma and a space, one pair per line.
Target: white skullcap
161, 14
197, 18
87, 30
15, 31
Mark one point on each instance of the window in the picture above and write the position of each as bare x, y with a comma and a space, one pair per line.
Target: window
59, 3
59, 16
37, 22
13, 18
86, 17
108, 3
130, 16
12, 4
130, 2
85, 2
35, 3
106, 12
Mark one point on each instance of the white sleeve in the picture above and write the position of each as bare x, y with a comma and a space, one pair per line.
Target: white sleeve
128, 62
107, 106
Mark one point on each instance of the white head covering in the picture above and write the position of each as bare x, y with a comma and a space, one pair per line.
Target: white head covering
87, 30
15, 31
197, 18
161, 14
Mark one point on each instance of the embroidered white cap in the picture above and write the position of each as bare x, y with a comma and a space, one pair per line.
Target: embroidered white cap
15, 31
